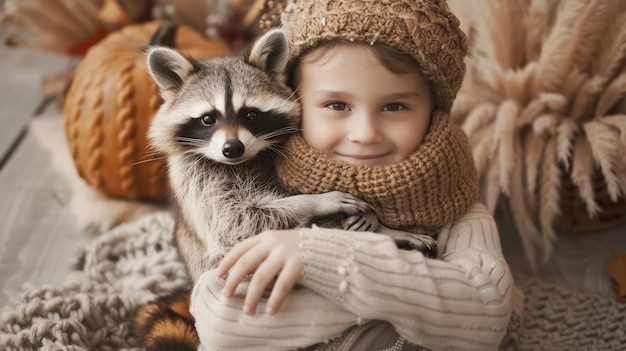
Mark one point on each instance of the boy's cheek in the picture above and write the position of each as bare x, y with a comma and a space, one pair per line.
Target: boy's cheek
318, 138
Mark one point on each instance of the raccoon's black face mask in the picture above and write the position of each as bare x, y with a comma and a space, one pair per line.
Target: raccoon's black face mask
227, 109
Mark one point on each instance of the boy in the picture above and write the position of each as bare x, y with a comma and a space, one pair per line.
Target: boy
376, 81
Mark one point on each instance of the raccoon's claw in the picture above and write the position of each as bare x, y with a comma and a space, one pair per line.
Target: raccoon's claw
366, 222
351, 204
361, 206
420, 242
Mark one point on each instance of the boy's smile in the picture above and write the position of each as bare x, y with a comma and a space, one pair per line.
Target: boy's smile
355, 110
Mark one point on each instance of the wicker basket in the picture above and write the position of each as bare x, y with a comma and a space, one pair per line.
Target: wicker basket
574, 217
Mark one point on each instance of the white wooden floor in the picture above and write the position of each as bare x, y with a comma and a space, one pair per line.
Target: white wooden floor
39, 237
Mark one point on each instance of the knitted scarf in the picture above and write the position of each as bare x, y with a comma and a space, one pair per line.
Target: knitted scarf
421, 194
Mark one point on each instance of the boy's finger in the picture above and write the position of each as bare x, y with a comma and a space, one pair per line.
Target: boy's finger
245, 264
289, 276
233, 256
262, 277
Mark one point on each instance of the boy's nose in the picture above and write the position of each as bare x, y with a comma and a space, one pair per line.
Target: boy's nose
364, 129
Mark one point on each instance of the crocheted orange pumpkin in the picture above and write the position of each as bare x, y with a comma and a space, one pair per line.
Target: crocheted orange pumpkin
111, 102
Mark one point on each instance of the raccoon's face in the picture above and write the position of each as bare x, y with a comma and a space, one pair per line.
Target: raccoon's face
225, 109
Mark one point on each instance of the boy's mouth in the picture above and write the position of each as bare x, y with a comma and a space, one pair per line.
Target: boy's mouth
362, 159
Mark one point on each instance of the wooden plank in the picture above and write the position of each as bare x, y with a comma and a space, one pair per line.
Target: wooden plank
39, 238
22, 71
37, 233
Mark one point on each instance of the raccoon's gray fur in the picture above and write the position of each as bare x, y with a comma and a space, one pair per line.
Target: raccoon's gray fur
220, 125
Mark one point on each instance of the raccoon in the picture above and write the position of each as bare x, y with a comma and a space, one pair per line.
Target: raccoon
220, 126
222, 122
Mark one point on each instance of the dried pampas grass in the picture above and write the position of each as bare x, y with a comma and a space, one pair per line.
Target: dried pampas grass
68, 26
544, 104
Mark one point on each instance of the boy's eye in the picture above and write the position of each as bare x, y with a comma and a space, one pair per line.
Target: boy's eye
337, 106
207, 119
393, 107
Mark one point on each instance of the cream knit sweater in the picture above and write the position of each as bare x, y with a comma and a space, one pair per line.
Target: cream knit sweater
460, 301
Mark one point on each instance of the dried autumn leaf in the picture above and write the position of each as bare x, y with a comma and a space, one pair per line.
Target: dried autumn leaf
616, 269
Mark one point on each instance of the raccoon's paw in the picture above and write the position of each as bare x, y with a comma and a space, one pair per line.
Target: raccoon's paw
340, 202
420, 242
364, 222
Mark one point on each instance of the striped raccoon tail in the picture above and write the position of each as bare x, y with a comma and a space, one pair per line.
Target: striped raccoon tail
166, 324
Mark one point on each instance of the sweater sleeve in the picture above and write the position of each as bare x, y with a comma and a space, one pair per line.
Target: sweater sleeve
306, 318
460, 301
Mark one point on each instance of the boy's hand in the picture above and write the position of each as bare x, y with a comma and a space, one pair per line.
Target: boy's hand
267, 255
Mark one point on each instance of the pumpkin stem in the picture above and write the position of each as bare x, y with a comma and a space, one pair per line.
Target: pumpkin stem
165, 35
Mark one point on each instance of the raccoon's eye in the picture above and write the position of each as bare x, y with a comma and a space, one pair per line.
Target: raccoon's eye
207, 119
252, 115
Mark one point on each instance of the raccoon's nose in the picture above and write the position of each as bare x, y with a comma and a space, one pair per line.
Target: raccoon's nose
233, 148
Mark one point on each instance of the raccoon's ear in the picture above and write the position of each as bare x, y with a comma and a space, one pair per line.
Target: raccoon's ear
168, 69
271, 52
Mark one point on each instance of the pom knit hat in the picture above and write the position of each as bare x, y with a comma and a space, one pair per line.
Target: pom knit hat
425, 29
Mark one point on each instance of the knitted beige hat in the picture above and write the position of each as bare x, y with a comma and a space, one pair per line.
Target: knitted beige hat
425, 29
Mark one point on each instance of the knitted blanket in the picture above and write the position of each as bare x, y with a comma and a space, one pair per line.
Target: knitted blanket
136, 262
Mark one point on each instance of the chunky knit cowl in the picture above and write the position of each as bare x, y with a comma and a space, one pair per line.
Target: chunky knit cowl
430, 189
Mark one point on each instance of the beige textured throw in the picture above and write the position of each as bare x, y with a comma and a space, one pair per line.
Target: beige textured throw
90, 310
430, 189
136, 262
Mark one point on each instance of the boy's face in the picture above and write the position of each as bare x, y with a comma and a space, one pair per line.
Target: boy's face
357, 111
